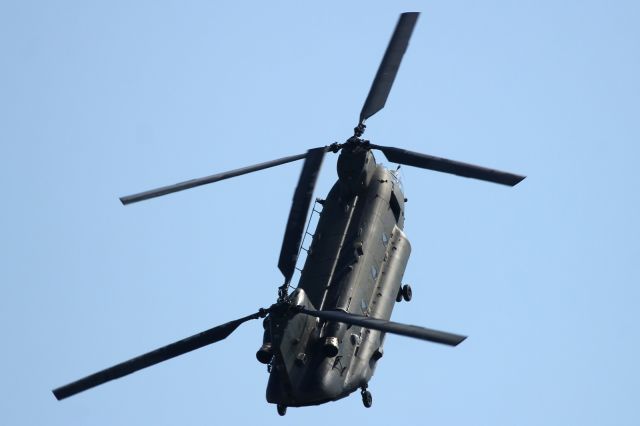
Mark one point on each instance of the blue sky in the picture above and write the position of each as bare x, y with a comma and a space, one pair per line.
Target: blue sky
103, 99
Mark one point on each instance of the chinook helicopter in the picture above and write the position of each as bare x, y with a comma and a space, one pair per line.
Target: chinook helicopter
323, 341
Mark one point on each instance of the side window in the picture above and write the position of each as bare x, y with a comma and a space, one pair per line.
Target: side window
395, 206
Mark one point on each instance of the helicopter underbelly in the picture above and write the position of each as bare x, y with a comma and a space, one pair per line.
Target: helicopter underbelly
305, 376
363, 277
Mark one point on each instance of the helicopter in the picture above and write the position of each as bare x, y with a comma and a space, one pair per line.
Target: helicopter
322, 341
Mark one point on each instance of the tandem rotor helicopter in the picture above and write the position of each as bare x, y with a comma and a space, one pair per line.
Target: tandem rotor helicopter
323, 341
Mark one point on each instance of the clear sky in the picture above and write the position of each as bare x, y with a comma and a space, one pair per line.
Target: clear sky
103, 99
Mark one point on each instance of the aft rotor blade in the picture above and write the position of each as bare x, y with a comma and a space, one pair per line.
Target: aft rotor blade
207, 179
388, 69
389, 327
164, 353
410, 158
298, 213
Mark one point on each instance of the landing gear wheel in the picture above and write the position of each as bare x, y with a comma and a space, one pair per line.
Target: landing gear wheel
406, 292
282, 409
367, 399
399, 296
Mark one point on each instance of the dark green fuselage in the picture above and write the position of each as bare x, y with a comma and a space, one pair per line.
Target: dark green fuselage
355, 264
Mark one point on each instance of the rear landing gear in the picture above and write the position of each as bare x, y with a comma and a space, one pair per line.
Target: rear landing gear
282, 409
367, 399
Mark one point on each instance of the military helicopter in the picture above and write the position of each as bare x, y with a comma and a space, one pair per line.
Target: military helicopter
323, 341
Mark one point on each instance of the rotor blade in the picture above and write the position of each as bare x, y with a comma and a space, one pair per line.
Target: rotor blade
164, 353
207, 179
388, 69
298, 213
389, 327
410, 158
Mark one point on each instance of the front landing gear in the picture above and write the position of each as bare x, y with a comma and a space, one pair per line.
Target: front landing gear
367, 399
407, 293
282, 409
404, 293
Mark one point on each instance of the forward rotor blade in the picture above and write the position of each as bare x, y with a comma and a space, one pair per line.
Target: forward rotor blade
388, 69
410, 158
164, 353
389, 327
298, 213
207, 179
